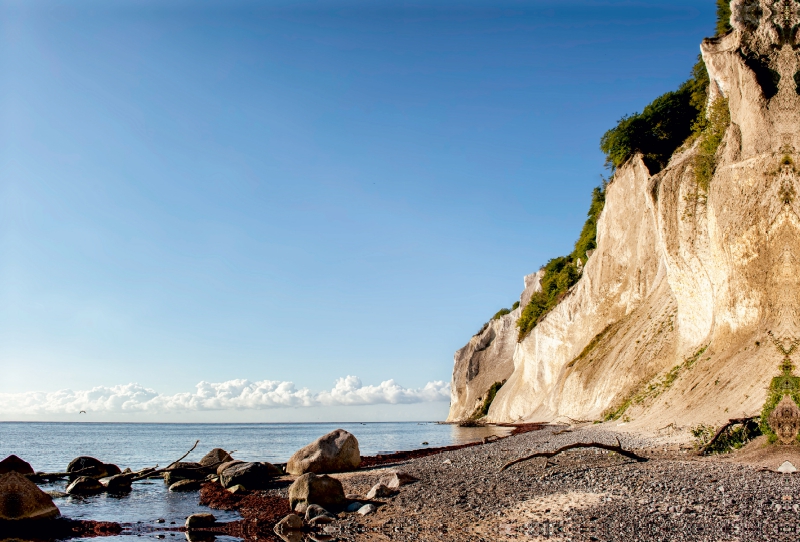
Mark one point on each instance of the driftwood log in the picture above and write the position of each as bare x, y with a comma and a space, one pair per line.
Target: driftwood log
722, 430
610, 447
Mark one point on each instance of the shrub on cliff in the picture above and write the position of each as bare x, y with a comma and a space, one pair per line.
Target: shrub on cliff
561, 273
667, 121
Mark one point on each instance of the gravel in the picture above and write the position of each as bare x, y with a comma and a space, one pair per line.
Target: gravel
582, 495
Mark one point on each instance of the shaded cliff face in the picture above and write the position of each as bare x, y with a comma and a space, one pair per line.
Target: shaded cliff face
486, 359
682, 311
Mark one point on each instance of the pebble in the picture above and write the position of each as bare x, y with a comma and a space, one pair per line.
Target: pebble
367, 509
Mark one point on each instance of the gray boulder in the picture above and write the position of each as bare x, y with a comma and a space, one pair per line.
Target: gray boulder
215, 457
91, 467
119, 483
21, 499
324, 491
335, 452
84, 485
253, 475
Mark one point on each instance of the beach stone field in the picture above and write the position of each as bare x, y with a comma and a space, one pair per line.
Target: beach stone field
652, 488
585, 494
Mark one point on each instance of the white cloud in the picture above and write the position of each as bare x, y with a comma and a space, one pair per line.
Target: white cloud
230, 395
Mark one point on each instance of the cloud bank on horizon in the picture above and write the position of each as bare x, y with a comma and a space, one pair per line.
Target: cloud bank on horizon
239, 394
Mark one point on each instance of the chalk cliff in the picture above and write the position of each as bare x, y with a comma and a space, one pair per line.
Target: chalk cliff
690, 301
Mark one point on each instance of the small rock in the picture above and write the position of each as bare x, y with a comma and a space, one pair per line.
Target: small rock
367, 509
13, 463
787, 468
447, 462
314, 510
396, 479
292, 522
321, 520
160, 520
379, 491
335, 452
238, 488
200, 520
354, 506
352, 497
84, 485
186, 485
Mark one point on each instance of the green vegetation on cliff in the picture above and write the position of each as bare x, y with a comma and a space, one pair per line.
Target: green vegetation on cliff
664, 124
483, 409
561, 273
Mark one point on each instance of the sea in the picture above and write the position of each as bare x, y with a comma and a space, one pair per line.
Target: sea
49, 447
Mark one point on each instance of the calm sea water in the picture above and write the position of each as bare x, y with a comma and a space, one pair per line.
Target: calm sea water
51, 446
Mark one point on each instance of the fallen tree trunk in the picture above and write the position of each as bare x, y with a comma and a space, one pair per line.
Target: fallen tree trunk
723, 429
610, 447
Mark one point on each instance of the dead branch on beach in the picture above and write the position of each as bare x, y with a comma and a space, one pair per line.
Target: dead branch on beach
722, 430
610, 447
155, 471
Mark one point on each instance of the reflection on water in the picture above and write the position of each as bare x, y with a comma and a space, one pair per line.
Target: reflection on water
148, 502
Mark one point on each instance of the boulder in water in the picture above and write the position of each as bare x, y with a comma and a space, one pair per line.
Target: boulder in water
185, 470
119, 483
84, 485
91, 467
21, 499
253, 475
335, 452
186, 485
215, 457
13, 463
323, 490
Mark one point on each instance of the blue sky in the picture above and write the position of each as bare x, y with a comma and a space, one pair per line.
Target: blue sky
296, 191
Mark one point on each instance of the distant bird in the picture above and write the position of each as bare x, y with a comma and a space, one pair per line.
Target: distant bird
82, 412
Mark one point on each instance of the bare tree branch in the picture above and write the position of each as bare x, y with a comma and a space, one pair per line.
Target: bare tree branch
618, 448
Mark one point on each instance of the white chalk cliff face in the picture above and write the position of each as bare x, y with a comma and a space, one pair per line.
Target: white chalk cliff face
683, 309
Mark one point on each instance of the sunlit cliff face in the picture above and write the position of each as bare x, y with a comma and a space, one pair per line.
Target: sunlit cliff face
752, 212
